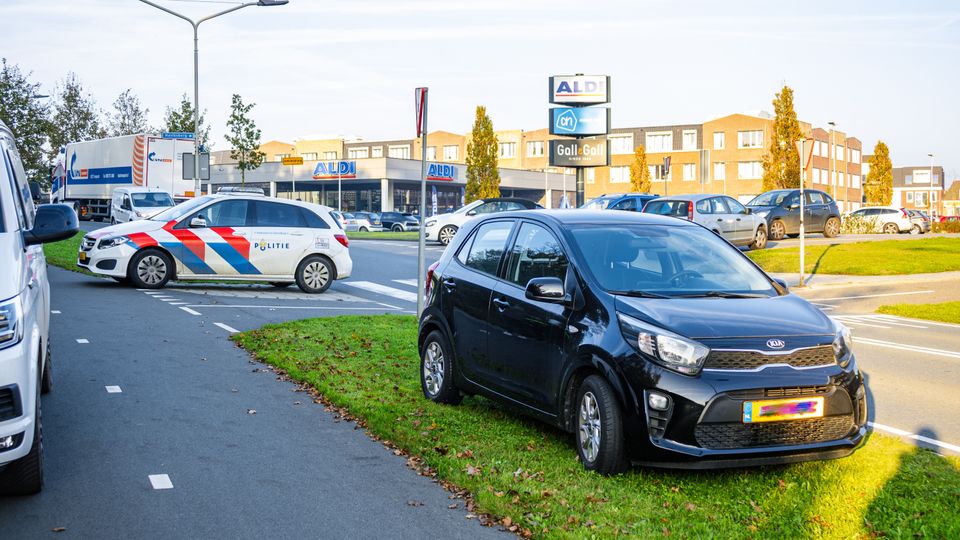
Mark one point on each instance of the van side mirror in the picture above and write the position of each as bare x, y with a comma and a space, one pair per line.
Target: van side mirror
52, 222
781, 283
747, 210
198, 222
546, 289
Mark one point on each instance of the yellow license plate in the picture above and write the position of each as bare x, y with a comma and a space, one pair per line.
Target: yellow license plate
776, 410
83, 256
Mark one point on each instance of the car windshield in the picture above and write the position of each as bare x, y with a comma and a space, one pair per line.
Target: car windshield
151, 200
648, 260
182, 209
770, 198
600, 203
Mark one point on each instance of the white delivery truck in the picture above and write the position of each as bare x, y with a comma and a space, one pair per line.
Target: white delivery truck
91, 170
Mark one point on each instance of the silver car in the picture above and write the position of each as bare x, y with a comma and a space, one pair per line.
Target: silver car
352, 223
722, 214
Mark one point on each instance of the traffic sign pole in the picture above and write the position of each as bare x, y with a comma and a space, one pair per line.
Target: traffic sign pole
804, 154
421, 108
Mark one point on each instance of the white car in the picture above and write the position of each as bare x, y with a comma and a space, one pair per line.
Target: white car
353, 222
236, 236
885, 219
133, 203
444, 227
25, 367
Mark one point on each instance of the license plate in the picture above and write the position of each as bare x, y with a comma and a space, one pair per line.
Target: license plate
775, 410
83, 256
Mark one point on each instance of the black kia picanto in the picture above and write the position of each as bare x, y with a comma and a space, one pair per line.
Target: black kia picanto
651, 339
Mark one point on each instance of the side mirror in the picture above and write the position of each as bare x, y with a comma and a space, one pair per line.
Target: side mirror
546, 289
794, 206
472, 213
53, 222
781, 283
747, 210
198, 222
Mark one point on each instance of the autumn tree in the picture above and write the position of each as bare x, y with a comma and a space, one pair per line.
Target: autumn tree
878, 185
781, 163
128, 116
24, 111
639, 172
180, 119
483, 172
243, 136
76, 116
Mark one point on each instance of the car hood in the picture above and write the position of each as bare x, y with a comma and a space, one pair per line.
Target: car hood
450, 219
143, 225
11, 271
150, 212
756, 209
705, 318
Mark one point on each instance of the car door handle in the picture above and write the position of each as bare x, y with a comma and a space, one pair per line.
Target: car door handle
738, 219
449, 284
501, 304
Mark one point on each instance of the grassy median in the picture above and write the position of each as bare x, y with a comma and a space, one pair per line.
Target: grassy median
64, 253
526, 474
383, 235
889, 257
944, 312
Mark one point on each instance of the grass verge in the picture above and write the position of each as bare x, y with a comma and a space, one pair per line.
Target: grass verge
889, 257
64, 253
383, 235
944, 312
527, 475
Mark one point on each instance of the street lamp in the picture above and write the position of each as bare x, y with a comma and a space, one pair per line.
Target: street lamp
831, 152
196, 74
931, 185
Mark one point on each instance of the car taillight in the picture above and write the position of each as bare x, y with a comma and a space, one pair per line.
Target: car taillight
426, 285
342, 238
690, 210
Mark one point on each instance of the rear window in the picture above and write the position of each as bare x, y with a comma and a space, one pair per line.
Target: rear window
278, 215
313, 220
666, 208
487, 247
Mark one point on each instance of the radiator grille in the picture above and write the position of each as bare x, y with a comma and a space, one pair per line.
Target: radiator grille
807, 431
814, 356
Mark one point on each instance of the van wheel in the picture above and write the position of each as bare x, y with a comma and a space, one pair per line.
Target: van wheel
446, 234
599, 428
831, 229
760, 239
314, 274
46, 383
25, 475
777, 230
891, 228
150, 269
436, 370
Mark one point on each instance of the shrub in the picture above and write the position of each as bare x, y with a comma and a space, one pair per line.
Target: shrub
946, 227
856, 224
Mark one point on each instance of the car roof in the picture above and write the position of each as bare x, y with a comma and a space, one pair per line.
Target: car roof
249, 197
509, 199
690, 197
576, 216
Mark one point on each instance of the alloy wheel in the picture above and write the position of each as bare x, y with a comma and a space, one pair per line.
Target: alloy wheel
589, 426
447, 234
833, 228
777, 230
151, 269
316, 274
761, 240
433, 368
891, 228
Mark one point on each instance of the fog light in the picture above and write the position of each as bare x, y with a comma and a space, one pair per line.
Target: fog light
658, 402
6, 442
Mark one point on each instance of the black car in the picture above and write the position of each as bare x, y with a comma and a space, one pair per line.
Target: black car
781, 209
396, 222
650, 338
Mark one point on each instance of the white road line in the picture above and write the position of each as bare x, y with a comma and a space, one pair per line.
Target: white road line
908, 435
287, 307
169, 299
161, 296
230, 329
912, 348
151, 293
179, 303
113, 389
869, 296
856, 322
190, 311
383, 289
922, 321
83, 340
55, 311
888, 320
160, 481
410, 282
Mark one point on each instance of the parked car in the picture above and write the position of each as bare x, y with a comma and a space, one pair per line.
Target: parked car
781, 209
26, 369
133, 203
719, 213
620, 201
373, 218
444, 227
921, 222
352, 222
947, 219
649, 338
602, 202
398, 222
886, 219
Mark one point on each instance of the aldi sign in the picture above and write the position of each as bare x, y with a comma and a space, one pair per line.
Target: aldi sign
579, 153
326, 170
584, 121
580, 89
437, 171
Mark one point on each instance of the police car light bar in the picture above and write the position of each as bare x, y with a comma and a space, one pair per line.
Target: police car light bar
240, 190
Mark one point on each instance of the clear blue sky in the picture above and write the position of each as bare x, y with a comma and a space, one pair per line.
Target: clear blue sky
879, 69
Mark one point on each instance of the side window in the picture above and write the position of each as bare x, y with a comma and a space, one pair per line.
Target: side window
793, 199
465, 250
734, 206
535, 253
626, 204
704, 207
226, 214
271, 214
488, 244
511, 205
126, 203
23, 199
486, 208
718, 206
313, 220
814, 197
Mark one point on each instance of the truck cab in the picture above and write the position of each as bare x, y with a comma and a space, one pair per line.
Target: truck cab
133, 203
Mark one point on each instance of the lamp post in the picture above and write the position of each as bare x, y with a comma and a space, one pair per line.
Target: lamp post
931, 185
831, 152
196, 73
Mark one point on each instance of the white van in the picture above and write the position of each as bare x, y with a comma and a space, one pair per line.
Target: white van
25, 369
133, 203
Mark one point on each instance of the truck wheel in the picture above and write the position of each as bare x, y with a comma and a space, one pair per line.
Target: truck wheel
25, 475
46, 384
150, 269
315, 274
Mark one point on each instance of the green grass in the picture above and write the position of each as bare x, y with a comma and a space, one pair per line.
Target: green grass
383, 235
890, 257
527, 472
944, 312
64, 253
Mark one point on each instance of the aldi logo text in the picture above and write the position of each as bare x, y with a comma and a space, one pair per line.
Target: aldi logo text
436, 171
326, 170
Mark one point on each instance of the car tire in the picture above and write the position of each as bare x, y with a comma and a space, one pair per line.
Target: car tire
281, 284
446, 234
364, 229
46, 382
315, 274
760, 238
25, 475
891, 228
397, 228
599, 427
436, 370
831, 229
916, 230
150, 269
777, 230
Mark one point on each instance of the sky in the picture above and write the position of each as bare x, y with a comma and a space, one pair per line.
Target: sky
881, 70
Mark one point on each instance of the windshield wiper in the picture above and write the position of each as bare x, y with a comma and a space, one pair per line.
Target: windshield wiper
721, 294
639, 294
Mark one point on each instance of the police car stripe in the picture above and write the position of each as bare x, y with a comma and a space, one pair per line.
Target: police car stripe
234, 258
239, 243
188, 258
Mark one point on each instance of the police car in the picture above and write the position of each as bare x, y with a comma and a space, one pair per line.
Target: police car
233, 235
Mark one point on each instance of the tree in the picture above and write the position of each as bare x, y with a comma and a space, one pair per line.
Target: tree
128, 116
243, 137
483, 171
781, 165
76, 116
181, 120
639, 172
24, 112
879, 182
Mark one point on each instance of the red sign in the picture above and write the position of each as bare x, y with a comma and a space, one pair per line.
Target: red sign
420, 102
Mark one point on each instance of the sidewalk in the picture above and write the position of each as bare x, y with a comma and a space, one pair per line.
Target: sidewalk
828, 280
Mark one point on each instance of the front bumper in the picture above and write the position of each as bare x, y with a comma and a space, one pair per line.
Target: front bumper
108, 262
17, 390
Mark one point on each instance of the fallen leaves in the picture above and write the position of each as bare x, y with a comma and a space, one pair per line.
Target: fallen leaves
473, 471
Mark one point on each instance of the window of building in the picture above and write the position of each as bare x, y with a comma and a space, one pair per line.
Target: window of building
658, 172
719, 140
431, 153
816, 148
590, 175
450, 152
376, 151
689, 139
921, 198
824, 149
909, 196
535, 148
329, 155
907, 179
619, 175
358, 153
750, 139
816, 175
921, 177
620, 144
508, 150
309, 156
659, 142
279, 157
854, 155
749, 170
855, 181
689, 171
720, 170
399, 152
933, 196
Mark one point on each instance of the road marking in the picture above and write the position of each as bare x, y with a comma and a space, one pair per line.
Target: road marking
55, 311
160, 481
169, 299
190, 311
889, 320
83, 340
113, 389
856, 322
383, 289
288, 307
179, 303
151, 293
410, 282
922, 321
869, 296
230, 329
912, 348
908, 435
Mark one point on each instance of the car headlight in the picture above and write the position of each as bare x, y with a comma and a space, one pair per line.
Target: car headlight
431, 223
842, 343
670, 350
113, 241
11, 327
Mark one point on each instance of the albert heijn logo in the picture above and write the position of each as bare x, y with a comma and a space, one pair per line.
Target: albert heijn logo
437, 171
326, 170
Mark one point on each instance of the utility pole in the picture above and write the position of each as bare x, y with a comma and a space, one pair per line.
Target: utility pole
929, 198
831, 152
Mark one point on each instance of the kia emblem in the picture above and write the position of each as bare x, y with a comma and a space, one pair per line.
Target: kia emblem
775, 343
